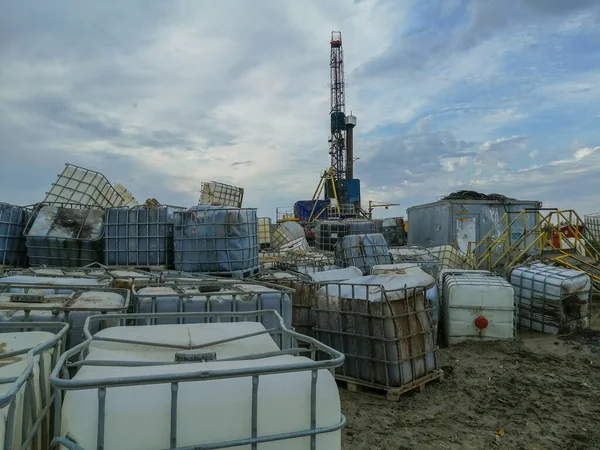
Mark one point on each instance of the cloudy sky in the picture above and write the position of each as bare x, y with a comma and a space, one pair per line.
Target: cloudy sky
490, 95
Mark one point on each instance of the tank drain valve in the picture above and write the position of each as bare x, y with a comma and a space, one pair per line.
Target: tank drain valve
187, 356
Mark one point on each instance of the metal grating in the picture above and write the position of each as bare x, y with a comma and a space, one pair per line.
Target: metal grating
85, 187
592, 223
215, 193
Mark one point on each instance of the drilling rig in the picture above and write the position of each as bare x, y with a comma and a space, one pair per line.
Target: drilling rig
341, 141
338, 185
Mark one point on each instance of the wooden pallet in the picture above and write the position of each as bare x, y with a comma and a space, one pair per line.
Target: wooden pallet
392, 394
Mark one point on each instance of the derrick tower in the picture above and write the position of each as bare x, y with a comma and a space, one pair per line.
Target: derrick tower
341, 142
337, 146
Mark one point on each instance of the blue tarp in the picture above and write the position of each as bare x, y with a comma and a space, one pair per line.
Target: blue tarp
303, 208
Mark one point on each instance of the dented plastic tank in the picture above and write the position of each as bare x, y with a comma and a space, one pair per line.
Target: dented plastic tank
218, 240
65, 237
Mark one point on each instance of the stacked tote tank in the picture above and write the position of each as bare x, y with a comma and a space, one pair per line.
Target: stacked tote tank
48, 300
139, 236
65, 237
264, 232
328, 233
419, 277
286, 233
361, 226
362, 251
213, 296
305, 287
218, 240
383, 325
228, 393
13, 220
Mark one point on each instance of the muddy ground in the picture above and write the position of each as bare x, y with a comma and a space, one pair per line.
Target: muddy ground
539, 393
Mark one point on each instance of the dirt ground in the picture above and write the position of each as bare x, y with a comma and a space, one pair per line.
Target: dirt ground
542, 392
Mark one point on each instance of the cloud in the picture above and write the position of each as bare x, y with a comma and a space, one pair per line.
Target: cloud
494, 95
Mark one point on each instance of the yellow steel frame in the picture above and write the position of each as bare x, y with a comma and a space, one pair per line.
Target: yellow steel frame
498, 250
584, 266
283, 216
373, 205
327, 176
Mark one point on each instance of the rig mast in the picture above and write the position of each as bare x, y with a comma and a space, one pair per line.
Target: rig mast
337, 148
345, 188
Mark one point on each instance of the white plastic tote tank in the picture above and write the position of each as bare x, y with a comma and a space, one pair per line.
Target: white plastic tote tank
60, 284
217, 297
13, 367
477, 306
20, 304
138, 417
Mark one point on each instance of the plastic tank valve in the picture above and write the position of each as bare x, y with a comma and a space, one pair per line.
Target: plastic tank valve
481, 322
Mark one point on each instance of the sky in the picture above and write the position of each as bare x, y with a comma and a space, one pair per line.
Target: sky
497, 96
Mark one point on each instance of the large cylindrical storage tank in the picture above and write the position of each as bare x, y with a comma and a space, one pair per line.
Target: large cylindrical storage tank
328, 233
218, 240
65, 237
264, 232
138, 237
285, 233
13, 220
360, 226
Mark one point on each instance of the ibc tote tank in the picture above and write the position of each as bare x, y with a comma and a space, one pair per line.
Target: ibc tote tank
45, 346
217, 239
264, 231
360, 226
138, 237
13, 220
65, 237
383, 325
328, 233
285, 233
208, 411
